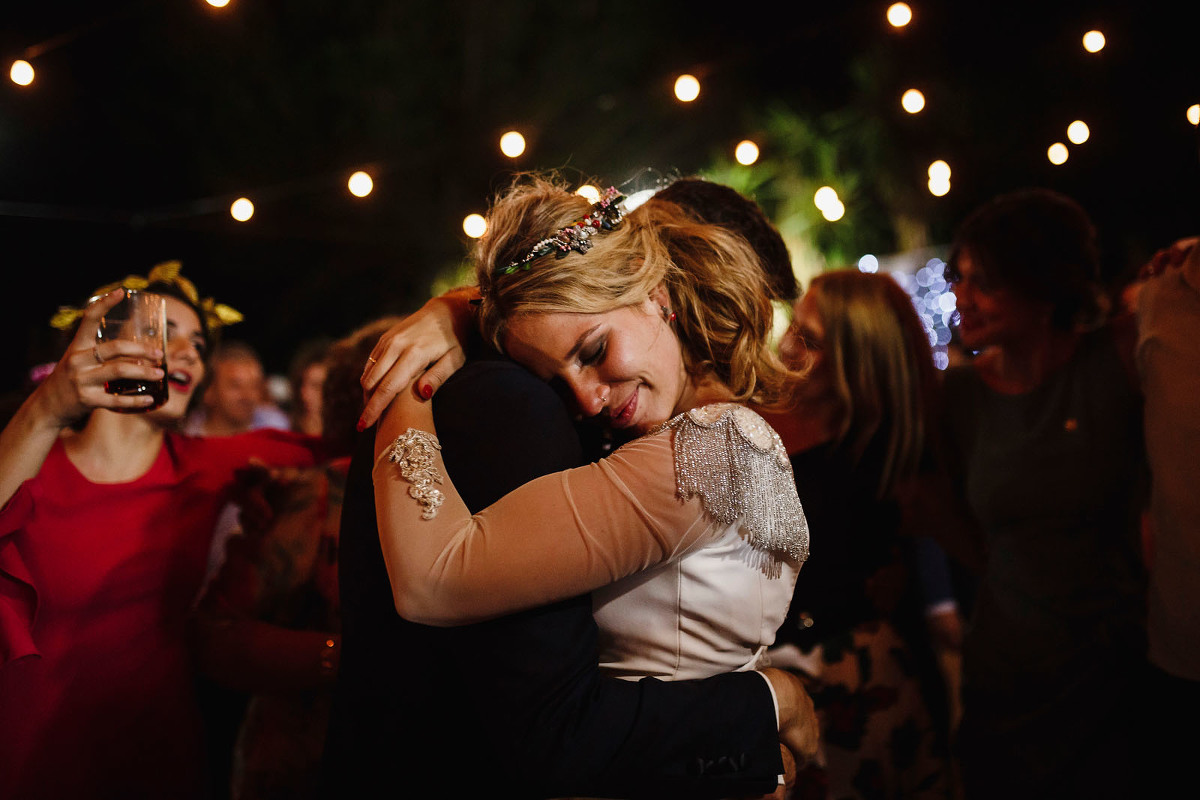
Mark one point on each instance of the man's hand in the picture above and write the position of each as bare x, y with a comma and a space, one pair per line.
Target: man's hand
799, 729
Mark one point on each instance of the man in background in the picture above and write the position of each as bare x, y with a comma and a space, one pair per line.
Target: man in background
235, 400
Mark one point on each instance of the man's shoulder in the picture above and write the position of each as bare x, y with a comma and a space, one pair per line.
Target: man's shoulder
498, 391
497, 370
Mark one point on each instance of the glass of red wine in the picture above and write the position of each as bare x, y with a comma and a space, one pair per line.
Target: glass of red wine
140, 317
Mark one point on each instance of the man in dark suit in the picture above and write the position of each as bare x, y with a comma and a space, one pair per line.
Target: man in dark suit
516, 707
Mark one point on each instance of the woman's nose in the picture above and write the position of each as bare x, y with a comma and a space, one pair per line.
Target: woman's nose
591, 397
184, 351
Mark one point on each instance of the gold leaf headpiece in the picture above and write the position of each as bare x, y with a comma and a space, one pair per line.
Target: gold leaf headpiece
217, 315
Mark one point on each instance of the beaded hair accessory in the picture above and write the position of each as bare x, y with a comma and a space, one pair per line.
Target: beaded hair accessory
217, 315
606, 214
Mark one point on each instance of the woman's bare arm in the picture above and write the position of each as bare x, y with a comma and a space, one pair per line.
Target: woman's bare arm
69, 393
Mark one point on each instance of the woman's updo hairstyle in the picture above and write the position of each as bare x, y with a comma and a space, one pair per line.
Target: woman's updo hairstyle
723, 314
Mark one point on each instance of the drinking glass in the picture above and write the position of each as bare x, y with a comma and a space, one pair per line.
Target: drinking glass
139, 317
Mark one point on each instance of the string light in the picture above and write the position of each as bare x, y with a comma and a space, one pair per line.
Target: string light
360, 184
746, 152
899, 15
687, 88
474, 225
242, 209
21, 72
1078, 132
913, 101
512, 144
588, 192
825, 196
1057, 153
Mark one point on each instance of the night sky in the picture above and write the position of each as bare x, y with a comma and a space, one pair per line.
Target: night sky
148, 118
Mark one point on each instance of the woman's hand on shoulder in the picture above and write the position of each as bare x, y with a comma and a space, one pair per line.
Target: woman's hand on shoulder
76, 384
426, 347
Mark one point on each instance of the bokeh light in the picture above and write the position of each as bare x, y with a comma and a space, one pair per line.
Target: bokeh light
868, 263
1057, 153
939, 187
935, 305
242, 209
825, 196
360, 184
512, 144
1093, 41
687, 88
1078, 132
474, 225
217, 3
899, 15
21, 73
746, 152
1193, 114
913, 101
833, 211
591, 193
939, 171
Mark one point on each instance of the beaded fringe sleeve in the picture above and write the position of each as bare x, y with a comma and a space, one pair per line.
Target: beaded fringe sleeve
737, 464
413, 454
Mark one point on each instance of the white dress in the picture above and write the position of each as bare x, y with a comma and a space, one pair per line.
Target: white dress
715, 608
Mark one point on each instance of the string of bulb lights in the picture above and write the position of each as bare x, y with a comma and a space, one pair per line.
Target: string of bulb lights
687, 89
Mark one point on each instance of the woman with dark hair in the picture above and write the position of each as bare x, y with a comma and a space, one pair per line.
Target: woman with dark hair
860, 430
269, 622
1046, 430
104, 537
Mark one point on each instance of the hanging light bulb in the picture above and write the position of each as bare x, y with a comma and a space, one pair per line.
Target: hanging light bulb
687, 88
21, 73
360, 184
242, 209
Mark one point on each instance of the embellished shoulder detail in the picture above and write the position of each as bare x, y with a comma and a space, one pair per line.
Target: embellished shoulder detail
736, 463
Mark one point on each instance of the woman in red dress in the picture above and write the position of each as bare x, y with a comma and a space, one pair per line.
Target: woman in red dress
104, 537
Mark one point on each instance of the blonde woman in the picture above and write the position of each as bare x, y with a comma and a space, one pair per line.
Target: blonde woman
858, 432
690, 536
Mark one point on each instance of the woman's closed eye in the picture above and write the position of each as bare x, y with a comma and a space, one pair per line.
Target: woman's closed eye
593, 354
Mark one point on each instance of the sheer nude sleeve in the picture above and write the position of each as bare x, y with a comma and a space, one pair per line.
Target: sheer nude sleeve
660, 497
555, 537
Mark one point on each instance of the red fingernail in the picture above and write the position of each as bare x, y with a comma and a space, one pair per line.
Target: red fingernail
427, 391
360, 426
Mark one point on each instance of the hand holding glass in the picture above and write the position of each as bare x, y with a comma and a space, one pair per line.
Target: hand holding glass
140, 317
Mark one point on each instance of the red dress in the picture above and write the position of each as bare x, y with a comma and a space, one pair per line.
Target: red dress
96, 582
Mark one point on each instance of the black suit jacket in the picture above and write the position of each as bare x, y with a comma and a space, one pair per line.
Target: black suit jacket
516, 706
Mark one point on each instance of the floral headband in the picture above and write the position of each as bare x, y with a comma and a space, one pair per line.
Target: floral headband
216, 315
605, 215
